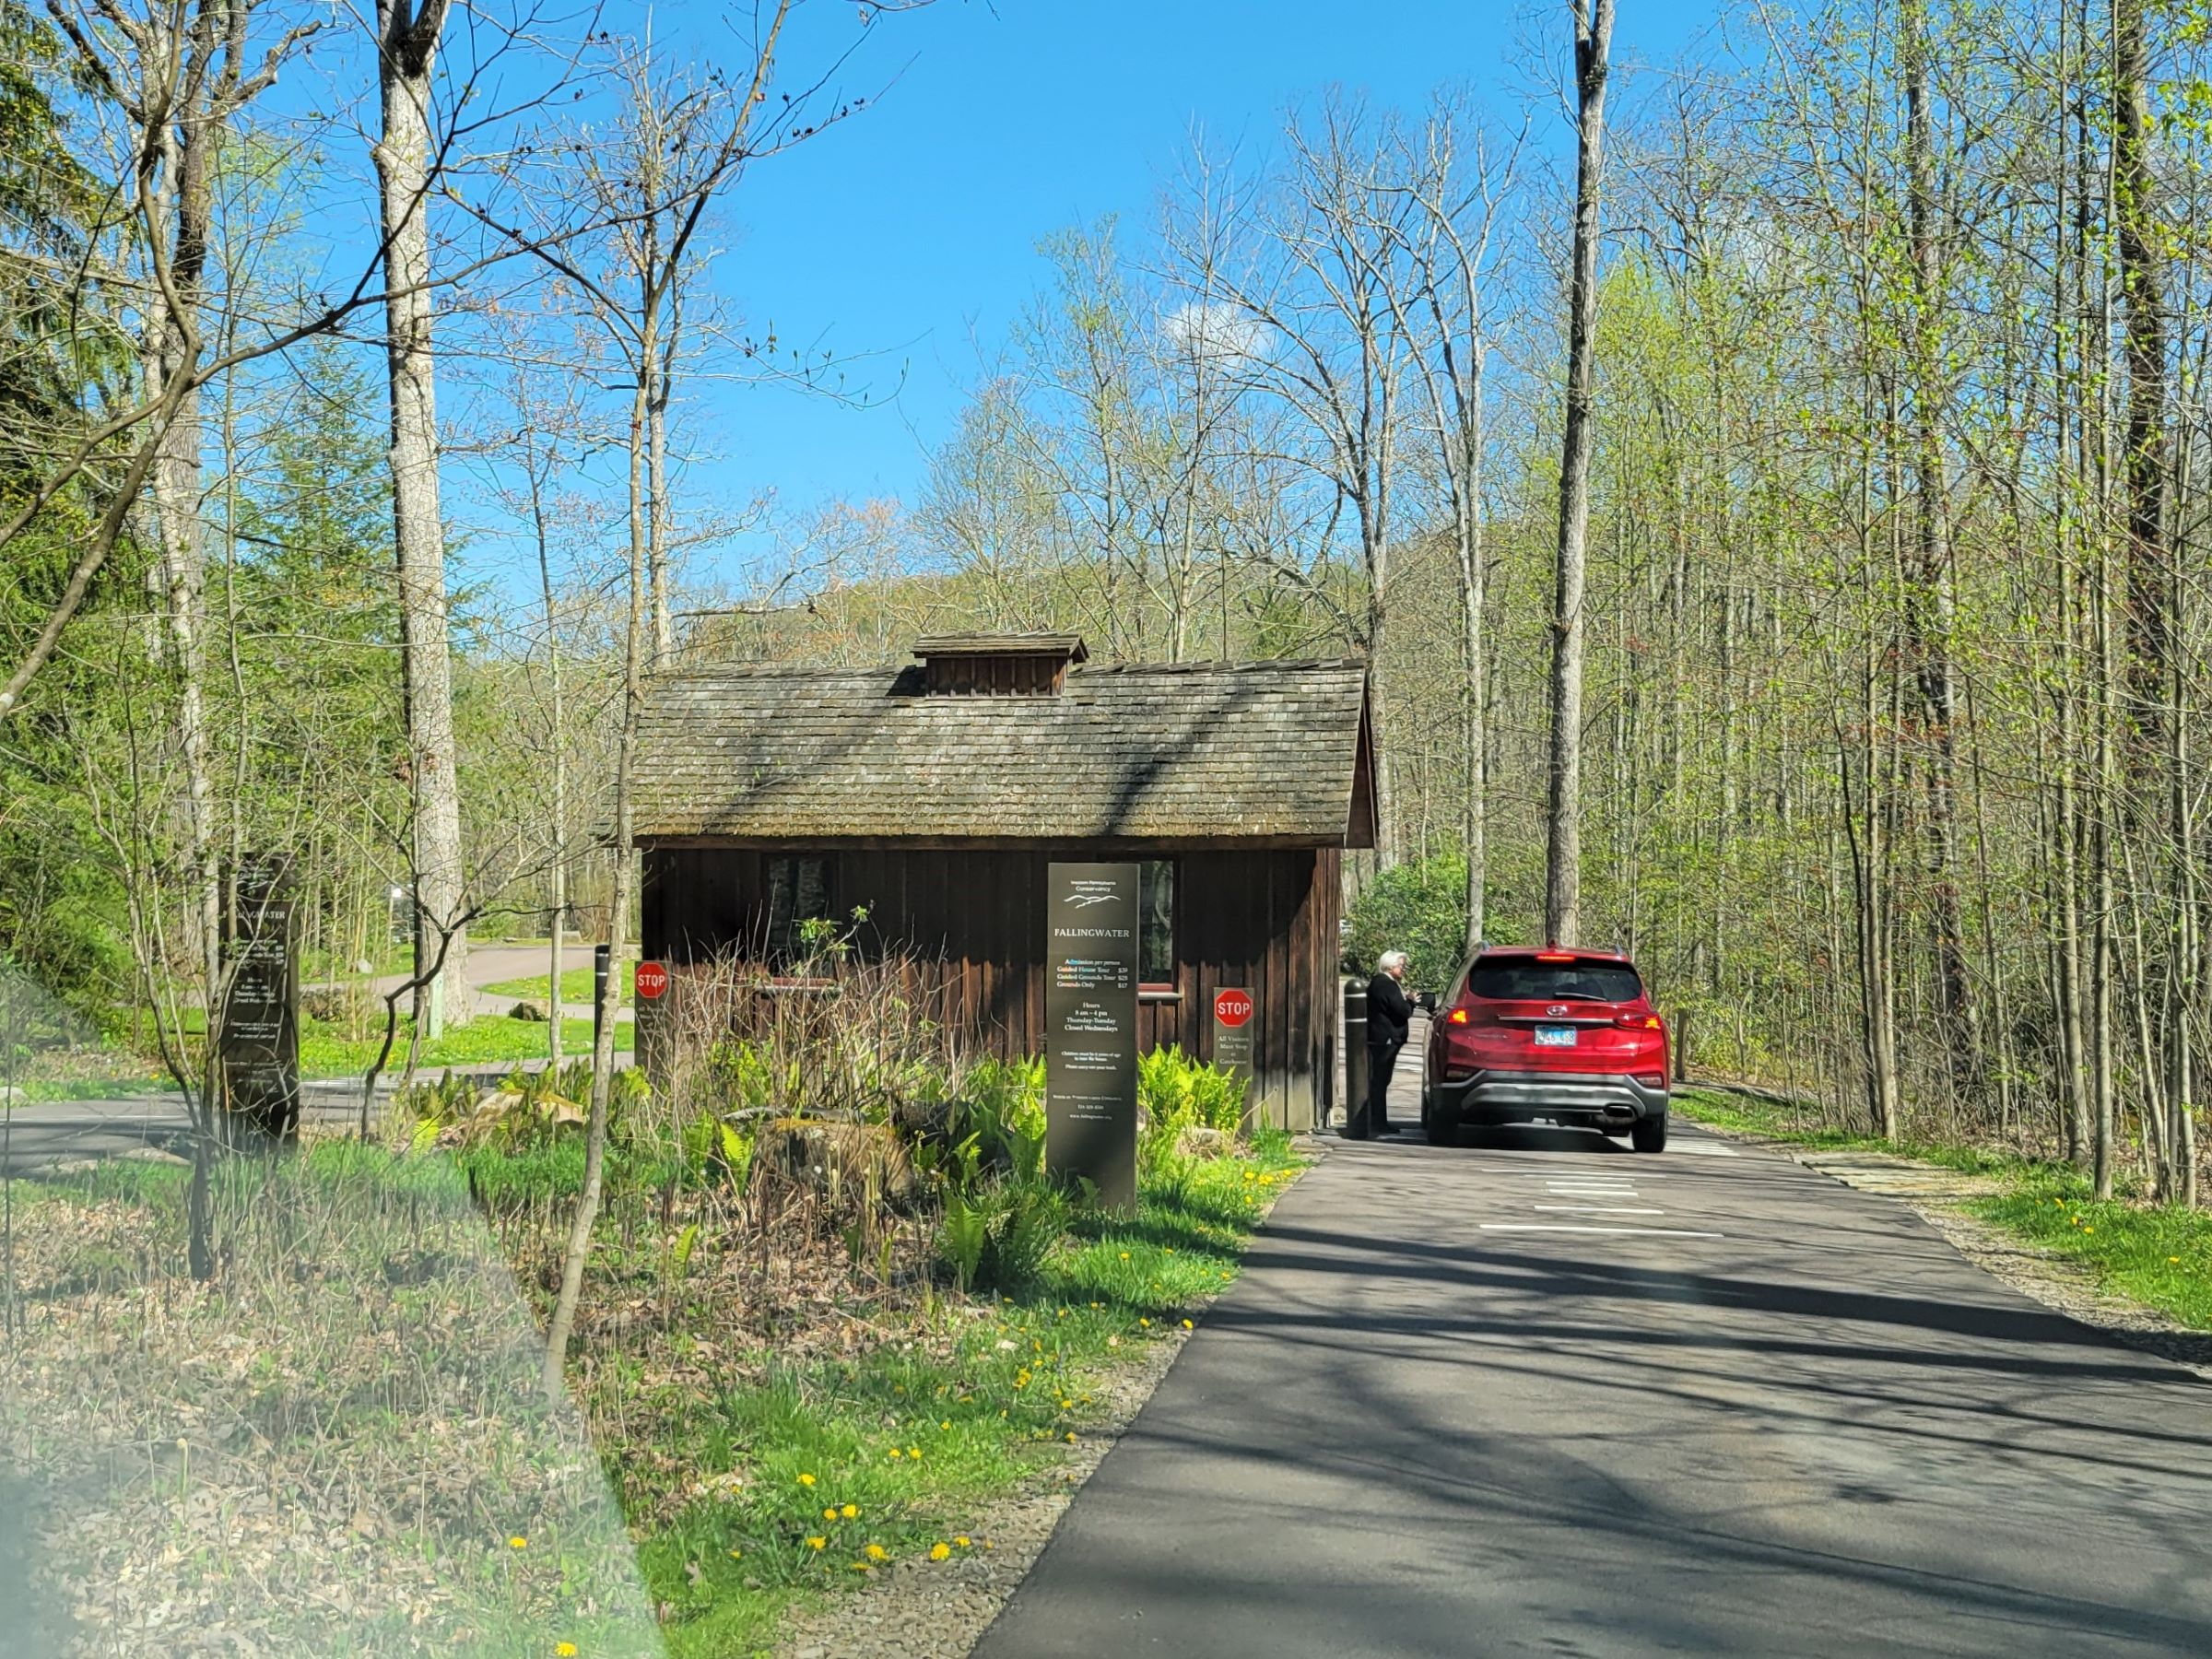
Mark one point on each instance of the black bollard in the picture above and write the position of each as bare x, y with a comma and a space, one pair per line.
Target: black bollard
602, 965
1359, 1123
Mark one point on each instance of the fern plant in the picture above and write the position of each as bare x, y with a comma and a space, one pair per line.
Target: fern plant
962, 1238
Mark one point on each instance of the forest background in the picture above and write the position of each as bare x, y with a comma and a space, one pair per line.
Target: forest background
1897, 531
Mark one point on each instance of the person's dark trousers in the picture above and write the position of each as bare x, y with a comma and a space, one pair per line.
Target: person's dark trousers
1382, 1060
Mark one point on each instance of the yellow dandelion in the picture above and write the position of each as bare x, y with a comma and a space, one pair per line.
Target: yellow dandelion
1071, 1437
961, 1540
566, 1650
805, 1480
875, 1552
830, 1513
737, 1555
517, 1542
895, 1451
1171, 1252
2089, 1229
946, 1424
862, 1566
817, 1542
851, 1511
2174, 1258
1145, 1322
1187, 1325
938, 1552
914, 1453
1124, 1256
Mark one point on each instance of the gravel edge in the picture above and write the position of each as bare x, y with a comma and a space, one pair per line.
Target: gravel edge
918, 1609
2060, 1283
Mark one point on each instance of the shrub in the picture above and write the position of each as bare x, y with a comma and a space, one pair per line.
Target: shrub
1419, 908
1174, 1093
999, 1234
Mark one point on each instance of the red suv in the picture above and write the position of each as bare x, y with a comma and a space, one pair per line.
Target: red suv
1568, 1035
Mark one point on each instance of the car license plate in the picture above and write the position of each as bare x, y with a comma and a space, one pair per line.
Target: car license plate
1555, 1036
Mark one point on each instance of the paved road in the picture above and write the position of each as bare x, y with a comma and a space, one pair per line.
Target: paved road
49, 1131
45, 1132
1763, 1414
495, 964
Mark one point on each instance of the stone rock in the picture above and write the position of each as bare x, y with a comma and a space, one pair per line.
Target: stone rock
333, 1004
847, 1162
526, 1010
1196, 1141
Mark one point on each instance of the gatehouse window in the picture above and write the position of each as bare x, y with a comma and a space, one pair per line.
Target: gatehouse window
1156, 924
798, 892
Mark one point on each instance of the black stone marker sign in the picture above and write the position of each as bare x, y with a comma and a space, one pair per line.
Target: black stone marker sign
259, 1044
1091, 911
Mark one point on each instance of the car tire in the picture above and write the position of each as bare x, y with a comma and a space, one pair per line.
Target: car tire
1649, 1135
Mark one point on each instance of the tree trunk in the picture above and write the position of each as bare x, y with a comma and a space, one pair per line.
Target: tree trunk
624, 884
1562, 883
172, 350
560, 770
1473, 738
408, 38
1928, 604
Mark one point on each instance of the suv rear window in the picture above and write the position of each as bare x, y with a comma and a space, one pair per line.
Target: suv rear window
1521, 979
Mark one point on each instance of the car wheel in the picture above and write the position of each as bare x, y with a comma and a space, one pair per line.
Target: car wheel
1649, 1135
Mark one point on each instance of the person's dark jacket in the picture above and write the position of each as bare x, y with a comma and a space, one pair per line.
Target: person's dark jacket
1389, 1015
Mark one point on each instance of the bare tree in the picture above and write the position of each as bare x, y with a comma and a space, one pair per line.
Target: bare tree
677, 146
1459, 186
1563, 814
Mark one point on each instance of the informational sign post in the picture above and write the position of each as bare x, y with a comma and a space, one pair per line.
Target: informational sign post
1233, 1027
1091, 956
258, 1047
650, 1010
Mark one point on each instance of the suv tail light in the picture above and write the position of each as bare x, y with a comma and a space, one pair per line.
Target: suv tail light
1457, 1016
1652, 1080
1639, 1022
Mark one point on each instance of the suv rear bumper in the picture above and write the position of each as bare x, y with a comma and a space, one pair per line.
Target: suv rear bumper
1510, 1097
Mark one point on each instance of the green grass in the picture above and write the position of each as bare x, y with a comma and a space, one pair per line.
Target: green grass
490, 1041
2157, 1254
575, 987
921, 1442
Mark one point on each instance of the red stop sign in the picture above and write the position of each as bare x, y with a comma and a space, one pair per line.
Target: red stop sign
1232, 1009
651, 980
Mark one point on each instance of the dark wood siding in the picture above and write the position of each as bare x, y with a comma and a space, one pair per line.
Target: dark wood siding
1264, 919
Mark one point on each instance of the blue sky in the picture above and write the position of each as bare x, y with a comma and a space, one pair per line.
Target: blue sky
910, 232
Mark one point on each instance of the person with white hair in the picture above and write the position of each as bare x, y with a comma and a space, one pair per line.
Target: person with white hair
1389, 1019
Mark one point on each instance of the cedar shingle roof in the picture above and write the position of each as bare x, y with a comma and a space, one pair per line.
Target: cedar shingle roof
1233, 750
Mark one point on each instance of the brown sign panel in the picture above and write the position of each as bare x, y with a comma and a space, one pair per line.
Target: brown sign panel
1233, 1027
259, 1042
1091, 921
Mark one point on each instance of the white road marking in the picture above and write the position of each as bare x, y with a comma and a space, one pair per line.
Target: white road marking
1652, 1232
1595, 1210
1707, 1149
